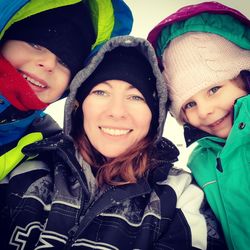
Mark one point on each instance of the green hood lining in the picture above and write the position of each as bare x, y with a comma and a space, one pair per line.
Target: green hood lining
103, 18
221, 24
102, 13
34, 7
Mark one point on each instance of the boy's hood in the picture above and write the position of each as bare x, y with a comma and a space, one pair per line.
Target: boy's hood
110, 17
210, 17
128, 41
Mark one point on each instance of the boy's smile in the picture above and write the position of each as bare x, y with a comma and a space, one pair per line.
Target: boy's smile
47, 76
33, 82
211, 109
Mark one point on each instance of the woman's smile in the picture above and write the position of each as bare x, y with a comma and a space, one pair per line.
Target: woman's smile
115, 132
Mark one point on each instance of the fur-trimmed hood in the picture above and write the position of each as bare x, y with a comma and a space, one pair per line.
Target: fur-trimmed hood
212, 17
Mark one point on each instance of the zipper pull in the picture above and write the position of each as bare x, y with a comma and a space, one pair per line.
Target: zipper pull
71, 234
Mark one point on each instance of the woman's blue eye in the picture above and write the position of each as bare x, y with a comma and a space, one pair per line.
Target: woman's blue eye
98, 92
137, 98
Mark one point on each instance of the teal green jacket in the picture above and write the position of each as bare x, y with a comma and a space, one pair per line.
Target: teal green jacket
222, 168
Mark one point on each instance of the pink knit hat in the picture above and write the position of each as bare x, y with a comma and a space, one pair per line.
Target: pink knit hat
195, 61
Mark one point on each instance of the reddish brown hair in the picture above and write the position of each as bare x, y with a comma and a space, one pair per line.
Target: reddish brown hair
126, 168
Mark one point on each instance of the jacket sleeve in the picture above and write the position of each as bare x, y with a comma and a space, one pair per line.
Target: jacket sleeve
11, 155
192, 225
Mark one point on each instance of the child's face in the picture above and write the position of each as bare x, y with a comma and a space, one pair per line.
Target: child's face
45, 73
211, 109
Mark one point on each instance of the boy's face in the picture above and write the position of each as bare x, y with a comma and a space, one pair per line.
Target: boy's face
211, 109
47, 76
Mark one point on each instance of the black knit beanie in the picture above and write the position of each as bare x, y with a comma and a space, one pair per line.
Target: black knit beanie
126, 64
66, 31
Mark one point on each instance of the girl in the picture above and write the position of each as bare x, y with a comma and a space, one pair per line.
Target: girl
205, 52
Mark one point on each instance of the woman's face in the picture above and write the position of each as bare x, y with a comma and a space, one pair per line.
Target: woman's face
116, 117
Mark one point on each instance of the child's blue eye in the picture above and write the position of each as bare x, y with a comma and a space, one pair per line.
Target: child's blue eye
189, 105
214, 89
36, 46
62, 63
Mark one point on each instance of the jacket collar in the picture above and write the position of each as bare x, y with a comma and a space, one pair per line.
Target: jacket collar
193, 134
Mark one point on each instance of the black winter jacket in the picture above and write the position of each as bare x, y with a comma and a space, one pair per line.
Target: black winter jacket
49, 206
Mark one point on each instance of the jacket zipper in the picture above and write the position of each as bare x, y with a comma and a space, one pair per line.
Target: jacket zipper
82, 210
76, 230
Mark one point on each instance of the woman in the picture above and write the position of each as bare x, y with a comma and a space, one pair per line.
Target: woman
108, 181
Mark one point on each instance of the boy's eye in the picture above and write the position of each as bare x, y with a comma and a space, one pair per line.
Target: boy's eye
36, 46
60, 61
39, 47
214, 90
189, 105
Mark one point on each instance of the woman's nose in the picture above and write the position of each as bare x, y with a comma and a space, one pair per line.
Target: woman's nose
117, 108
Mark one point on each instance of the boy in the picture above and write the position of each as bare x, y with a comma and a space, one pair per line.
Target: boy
205, 52
40, 53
